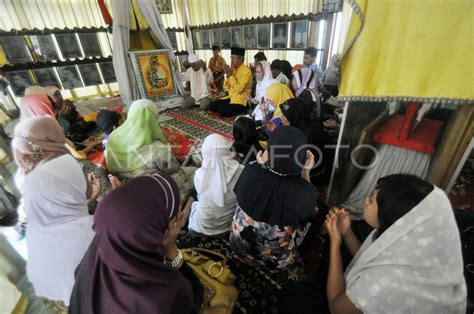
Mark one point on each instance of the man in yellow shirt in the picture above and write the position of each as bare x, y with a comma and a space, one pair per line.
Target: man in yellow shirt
238, 85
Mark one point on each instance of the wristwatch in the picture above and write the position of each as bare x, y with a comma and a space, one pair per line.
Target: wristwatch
176, 262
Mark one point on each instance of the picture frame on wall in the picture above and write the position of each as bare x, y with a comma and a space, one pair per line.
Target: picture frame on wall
216, 38
197, 39
90, 44
19, 81
46, 77
153, 73
44, 47
164, 6
280, 35
108, 72
236, 36
225, 38
70, 77
173, 40
250, 37
263, 36
299, 34
205, 40
90, 74
16, 49
69, 46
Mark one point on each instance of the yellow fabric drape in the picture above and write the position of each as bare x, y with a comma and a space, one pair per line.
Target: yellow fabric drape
410, 50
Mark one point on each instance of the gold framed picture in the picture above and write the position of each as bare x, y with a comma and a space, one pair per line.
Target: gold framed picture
153, 73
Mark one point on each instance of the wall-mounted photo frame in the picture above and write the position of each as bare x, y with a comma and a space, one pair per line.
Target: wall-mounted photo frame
236, 36
173, 40
16, 49
90, 74
70, 77
205, 40
225, 37
215, 37
108, 72
164, 6
69, 46
280, 35
181, 60
263, 36
46, 77
250, 38
90, 44
299, 34
44, 47
19, 81
152, 69
197, 39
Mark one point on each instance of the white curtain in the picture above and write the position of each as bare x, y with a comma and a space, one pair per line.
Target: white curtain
391, 160
153, 17
121, 44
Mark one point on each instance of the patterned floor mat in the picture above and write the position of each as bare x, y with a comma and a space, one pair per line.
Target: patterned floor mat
198, 124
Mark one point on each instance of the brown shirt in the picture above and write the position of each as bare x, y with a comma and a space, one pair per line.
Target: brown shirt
216, 64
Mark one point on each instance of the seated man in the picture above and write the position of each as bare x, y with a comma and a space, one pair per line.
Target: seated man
216, 66
238, 85
200, 79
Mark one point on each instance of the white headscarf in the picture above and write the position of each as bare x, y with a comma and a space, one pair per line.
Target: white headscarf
59, 225
143, 103
214, 183
415, 266
305, 79
268, 80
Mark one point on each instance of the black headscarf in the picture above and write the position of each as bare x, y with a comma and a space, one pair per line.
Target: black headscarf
296, 113
245, 139
107, 120
276, 194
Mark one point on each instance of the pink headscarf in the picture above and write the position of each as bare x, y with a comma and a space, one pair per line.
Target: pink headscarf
36, 105
37, 140
305, 79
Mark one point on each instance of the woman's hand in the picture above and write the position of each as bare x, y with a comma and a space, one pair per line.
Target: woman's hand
330, 123
262, 157
343, 220
270, 126
170, 250
331, 226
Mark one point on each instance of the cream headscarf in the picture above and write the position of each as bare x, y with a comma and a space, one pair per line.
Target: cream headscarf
415, 266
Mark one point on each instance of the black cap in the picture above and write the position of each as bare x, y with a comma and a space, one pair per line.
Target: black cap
237, 51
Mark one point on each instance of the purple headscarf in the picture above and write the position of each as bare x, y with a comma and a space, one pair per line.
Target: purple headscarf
124, 265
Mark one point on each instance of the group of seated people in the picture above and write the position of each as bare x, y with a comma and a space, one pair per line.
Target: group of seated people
106, 242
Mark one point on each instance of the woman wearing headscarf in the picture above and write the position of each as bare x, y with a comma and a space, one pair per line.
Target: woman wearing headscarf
306, 88
265, 79
214, 182
274, 203
139, 147
56, 196
295, 113
410, 263
132, 264
276, 95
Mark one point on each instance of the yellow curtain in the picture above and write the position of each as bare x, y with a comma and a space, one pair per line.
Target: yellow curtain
410, 50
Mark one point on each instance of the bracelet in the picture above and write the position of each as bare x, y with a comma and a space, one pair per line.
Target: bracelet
176, 262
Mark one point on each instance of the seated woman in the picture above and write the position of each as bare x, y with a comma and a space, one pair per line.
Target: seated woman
211, 214
139, 147
246, 140
108, 121
275, 201
275, 96
132, 264
410, 263
56, 194
295, 113
306, 88
264, 77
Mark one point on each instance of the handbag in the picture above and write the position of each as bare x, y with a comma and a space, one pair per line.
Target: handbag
220, 294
